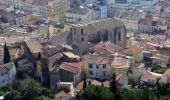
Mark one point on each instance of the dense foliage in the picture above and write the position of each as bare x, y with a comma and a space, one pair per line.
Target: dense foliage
101, 93
24, 71
29, 89
161, 91
95, 93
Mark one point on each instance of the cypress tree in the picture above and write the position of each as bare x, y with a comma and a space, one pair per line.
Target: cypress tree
113, 83
7, 57
84, 83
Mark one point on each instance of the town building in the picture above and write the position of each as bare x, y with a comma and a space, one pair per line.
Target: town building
99, 67
66, 72
7, 73
14, 17
49, 8
152, 25
111, 30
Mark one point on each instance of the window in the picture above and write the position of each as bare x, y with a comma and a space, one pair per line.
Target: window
119, 36
82, 32
97, 66
104, 66
90, 66
104, 73
82, 39
91, 72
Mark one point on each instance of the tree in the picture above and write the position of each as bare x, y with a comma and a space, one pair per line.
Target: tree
93, 92
84, 73
114, 87
84, 83
139, 94
45, 72
27, 89
7, 57
163, 88
32, 89
24, 71
113, 83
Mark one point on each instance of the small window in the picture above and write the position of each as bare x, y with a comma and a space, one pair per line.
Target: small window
90, 66
97, 66
119, 36
82, 39
91, 72
104, 66
82, 32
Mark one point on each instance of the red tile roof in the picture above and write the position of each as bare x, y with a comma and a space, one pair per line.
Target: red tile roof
71, 67
104, 48
79, 86
6, 67
119, 61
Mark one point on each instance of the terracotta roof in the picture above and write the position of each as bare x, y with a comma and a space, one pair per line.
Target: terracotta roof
79, 86
93, 82
146, 75
34, 46
54, 57
105, 48
119, 61
133, 49
95, 59
71, 67
6, 67
71, 55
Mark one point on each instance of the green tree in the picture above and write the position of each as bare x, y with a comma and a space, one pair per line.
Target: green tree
25, 70
113, 83
32, 89
139, 94
7, 57
163, 88
93, 92
16, 95
84, 83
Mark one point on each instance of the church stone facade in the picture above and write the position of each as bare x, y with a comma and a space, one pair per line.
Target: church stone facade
83, 35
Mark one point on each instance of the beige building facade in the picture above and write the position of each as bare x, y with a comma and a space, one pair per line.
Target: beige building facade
109, 29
